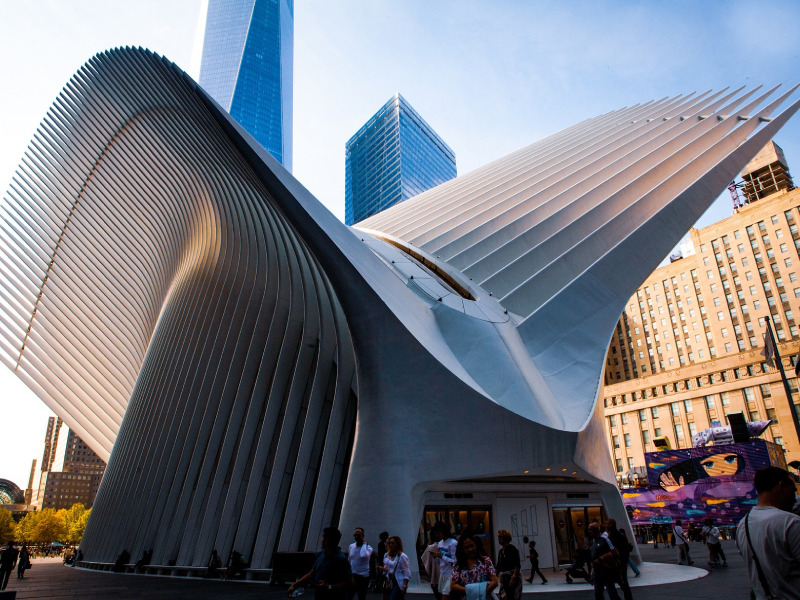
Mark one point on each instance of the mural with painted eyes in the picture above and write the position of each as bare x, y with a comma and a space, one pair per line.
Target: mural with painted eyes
694, 483
721, 465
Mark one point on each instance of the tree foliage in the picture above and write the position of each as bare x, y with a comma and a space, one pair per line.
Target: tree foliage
7, 526
48, 526
75, 522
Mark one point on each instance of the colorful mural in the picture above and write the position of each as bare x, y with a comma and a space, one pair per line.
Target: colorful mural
695, 483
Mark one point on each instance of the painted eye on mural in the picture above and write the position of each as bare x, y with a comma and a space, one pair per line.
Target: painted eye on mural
721, 464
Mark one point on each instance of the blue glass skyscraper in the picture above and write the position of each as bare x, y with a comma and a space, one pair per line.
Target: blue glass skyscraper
247, 68
394, 156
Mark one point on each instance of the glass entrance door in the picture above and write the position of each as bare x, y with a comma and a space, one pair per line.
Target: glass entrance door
479, 518
571, 524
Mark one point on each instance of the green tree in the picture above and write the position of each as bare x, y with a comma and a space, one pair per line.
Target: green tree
8, 529
50, 527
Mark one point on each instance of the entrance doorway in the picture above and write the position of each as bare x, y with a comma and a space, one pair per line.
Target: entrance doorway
571, 524
479, 518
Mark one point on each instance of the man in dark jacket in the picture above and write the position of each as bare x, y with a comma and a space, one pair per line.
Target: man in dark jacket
604, 577
8, 560
620, 541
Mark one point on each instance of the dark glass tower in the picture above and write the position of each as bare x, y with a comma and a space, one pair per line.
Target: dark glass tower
247, 68
394, 156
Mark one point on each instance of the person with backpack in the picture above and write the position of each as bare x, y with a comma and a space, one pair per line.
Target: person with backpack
606, 563
619, 540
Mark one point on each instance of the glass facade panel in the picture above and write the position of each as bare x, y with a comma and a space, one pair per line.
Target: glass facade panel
394, 156
247, 68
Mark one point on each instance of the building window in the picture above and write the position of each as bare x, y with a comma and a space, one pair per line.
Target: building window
678, 431
755, 416
619, 465
642, 415
710, 402
624, 417
627, 437
687, 406
724, 399
654, 412
674, 408
692, 429
630, 463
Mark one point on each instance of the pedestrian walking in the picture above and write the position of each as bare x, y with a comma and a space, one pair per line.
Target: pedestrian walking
619, 540
359, 555
431, 565
8, 560
533, 556
682, 543
23, 562
381, 583
654, 530
509, 567
331, 571
397, 568
711, 536
769, 537
605, 560
445, 555
474, 575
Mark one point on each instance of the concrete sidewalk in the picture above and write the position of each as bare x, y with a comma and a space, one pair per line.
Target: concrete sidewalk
729, 582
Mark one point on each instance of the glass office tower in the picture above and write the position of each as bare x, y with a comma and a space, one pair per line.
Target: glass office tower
394, 156
247, 68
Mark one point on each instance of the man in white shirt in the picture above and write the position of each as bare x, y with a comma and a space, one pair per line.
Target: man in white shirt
681, 543
359, 555
711, 535
445, 555
769, 537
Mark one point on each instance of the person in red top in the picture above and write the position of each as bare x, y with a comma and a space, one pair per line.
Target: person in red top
472, 566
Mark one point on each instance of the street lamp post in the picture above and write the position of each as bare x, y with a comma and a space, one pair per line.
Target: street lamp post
785, 381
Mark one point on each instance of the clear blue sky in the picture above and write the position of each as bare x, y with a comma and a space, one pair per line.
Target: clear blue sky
490, 77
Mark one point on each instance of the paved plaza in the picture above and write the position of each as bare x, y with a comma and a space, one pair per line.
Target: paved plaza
51, 580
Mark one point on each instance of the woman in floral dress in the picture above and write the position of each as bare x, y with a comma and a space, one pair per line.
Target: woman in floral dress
472, 566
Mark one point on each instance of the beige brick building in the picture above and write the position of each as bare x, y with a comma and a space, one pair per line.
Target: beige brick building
687, 349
